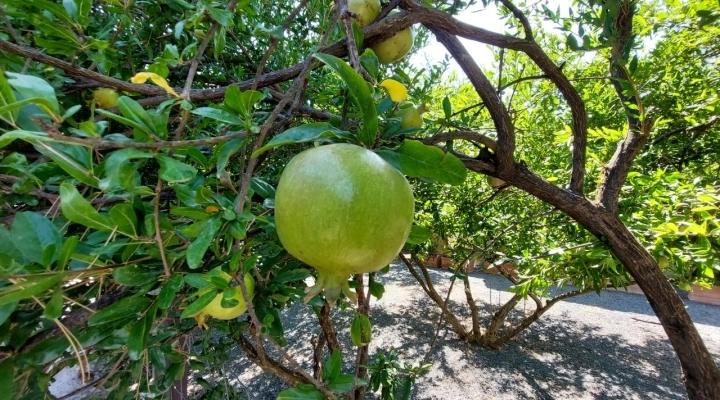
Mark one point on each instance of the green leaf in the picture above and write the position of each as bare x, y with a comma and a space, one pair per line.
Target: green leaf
418, 234
78, 210
169, 290
359, 92
36, 238
172, 170
122, 309
75, 160
221, 15
54, 307
137, 341
301, 392
196, 250
226, 151
218, 115
133, 275
360, 330
123, 215
344, 383
197, 305
67, 250
376, 288
248, 99
28, 136
262, 188
7, 97
117, 171
31, 86
7, 376
415, 159
332, 366
447, 108
29, 288
134, 115
316, 131
6, 310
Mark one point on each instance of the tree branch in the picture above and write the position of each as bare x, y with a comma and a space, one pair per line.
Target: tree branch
483, 86
521, 17
621, 162
695, 128
470, 136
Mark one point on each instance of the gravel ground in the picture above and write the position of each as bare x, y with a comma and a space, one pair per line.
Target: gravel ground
588, 347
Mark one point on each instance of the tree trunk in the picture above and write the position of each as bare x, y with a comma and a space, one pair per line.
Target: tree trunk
700, 372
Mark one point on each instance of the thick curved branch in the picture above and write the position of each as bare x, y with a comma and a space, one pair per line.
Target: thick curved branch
483, 86
639, 130
521, 17
470, 136
73, 70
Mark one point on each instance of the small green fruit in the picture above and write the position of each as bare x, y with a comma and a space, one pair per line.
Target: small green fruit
410, 117
495, 182
343, 210
106, 97
663, 262
366, 10
215, 308
395, 48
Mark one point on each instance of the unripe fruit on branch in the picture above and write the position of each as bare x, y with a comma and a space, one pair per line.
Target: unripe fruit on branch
342, 210
495, 182
106, 97
395, 48
215, 308
411, 116
366, 10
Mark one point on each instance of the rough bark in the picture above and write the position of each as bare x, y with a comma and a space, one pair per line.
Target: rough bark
701, 375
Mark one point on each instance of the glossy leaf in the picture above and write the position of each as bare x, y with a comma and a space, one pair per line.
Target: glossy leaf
196, 306
172, 170
415, 159
121, 309
360, 94
360, 330
27, 289
36, 238
316, 131
301, 392
78, 210
218, 115
196, 250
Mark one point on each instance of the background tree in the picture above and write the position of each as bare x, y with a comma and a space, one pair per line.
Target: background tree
127, 211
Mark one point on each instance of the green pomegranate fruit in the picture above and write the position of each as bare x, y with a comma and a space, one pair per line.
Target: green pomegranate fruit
366, 10
411, 116
395, 48
106, 97
343, 210
215, 308
495, 182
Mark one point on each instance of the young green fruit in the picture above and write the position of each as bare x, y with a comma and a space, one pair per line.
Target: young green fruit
495, 182
342, 210
411, 117
366, 10
215, 308
106, 97
395, 48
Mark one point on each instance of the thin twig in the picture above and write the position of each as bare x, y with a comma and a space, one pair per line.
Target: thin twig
158, 233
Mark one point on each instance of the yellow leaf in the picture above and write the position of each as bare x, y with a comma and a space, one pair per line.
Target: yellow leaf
398, 91
142, 77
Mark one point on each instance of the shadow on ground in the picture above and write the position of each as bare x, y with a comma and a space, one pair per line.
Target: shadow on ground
569, 354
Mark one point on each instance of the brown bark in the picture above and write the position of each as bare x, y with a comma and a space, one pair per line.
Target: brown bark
701, 375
